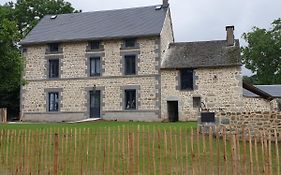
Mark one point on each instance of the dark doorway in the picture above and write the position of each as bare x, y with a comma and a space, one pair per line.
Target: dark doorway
95, 102
173, 111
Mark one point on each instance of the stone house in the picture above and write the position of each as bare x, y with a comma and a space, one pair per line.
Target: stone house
124, 65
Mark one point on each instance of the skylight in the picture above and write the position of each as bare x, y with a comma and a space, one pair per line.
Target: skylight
54, 17
159, 7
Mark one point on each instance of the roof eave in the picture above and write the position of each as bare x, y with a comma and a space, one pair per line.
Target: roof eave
22, 43
257, 91
198, 67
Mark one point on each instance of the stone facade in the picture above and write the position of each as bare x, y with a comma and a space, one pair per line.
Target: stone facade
220, 89
76, 84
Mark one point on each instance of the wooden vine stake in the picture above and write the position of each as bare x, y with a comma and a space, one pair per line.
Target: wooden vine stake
269, 153
251, 154
138, 149
277, 152
186, 153
225, 152
153, 152
131, 153
56, 151
159, 152
211, 150
192, 152
244, 152
166, 150
170, 152
256, 154
218, 150
237, 150
262, 153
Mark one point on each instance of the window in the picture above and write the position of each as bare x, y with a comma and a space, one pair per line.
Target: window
130, 65
54, 68
95, 66
95, 45
130, 42
54, 47
279, 104
196, 102
53, 102
186, 79
130, 99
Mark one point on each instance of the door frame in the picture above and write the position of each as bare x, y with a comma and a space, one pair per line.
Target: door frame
174, 119
90, 101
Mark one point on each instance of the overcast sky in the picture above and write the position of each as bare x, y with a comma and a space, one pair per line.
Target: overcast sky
195, 20
202, 19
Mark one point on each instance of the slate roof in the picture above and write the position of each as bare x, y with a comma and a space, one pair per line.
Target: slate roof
273, 90
131, 22
201, 54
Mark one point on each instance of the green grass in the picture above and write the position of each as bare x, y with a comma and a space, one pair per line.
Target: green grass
106, 148
100, 124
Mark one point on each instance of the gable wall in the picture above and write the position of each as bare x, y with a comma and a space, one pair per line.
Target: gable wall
223, 93
167, 34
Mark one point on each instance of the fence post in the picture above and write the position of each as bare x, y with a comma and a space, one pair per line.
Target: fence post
3, 115
131, 153
56, 151
277, 152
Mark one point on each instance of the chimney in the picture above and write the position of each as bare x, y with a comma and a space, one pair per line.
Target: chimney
165, 4
230, 35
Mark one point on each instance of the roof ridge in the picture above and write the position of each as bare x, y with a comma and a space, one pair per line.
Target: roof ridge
100, 11
268, 85
194, 42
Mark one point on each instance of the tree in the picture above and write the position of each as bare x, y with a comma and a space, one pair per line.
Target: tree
11, 62
16, 20
262, 55
10, 59
29, 12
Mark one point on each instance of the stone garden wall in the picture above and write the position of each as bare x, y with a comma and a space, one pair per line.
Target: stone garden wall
268, 121
259, 104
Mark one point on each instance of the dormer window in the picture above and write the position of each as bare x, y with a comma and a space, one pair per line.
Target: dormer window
95, 45
54, 47
130, 42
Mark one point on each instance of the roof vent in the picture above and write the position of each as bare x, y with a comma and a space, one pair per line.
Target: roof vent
53, 17
159, 7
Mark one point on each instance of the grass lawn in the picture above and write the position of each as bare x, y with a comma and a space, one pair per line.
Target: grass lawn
104, 147
100, 124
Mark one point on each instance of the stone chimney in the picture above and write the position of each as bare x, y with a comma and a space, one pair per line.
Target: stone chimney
230, 35
166, 3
